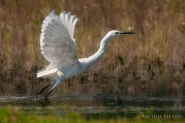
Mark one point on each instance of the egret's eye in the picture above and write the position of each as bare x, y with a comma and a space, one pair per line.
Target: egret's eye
117, 33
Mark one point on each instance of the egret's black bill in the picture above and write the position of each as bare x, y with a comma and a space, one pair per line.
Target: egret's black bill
126, 32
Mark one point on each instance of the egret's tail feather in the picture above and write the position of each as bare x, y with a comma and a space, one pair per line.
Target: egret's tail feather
46, 73
41, 73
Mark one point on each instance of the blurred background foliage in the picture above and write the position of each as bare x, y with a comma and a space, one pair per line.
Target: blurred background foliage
155, 53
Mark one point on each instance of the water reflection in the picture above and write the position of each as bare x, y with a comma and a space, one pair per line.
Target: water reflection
94, 105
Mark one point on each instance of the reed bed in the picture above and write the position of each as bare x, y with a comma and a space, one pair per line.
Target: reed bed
142, 63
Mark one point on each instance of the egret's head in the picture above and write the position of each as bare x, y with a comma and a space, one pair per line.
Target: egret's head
114, 33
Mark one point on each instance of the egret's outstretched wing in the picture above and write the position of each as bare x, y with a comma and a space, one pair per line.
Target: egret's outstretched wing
56, 40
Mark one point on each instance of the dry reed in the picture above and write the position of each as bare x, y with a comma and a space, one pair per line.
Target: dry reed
145, 60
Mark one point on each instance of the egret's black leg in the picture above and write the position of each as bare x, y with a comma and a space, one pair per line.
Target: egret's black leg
46, 96
60, 80
44, 88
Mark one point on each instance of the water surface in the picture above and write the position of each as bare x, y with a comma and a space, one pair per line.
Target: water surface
99, 105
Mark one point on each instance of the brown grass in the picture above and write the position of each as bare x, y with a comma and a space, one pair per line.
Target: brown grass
153, 56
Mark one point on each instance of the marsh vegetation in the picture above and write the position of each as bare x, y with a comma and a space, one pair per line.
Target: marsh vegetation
150, 60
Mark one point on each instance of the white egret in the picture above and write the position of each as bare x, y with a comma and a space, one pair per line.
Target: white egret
57, 46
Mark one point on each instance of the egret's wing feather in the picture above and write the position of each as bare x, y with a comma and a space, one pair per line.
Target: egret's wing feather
56, 40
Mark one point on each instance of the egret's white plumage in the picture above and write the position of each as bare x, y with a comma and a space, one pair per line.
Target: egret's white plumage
57, 46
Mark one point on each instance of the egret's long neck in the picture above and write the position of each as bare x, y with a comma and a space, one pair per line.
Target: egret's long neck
96, 57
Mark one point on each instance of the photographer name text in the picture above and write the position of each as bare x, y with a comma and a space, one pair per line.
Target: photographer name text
166, 116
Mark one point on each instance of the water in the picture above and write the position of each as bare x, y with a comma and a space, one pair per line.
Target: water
99, 105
